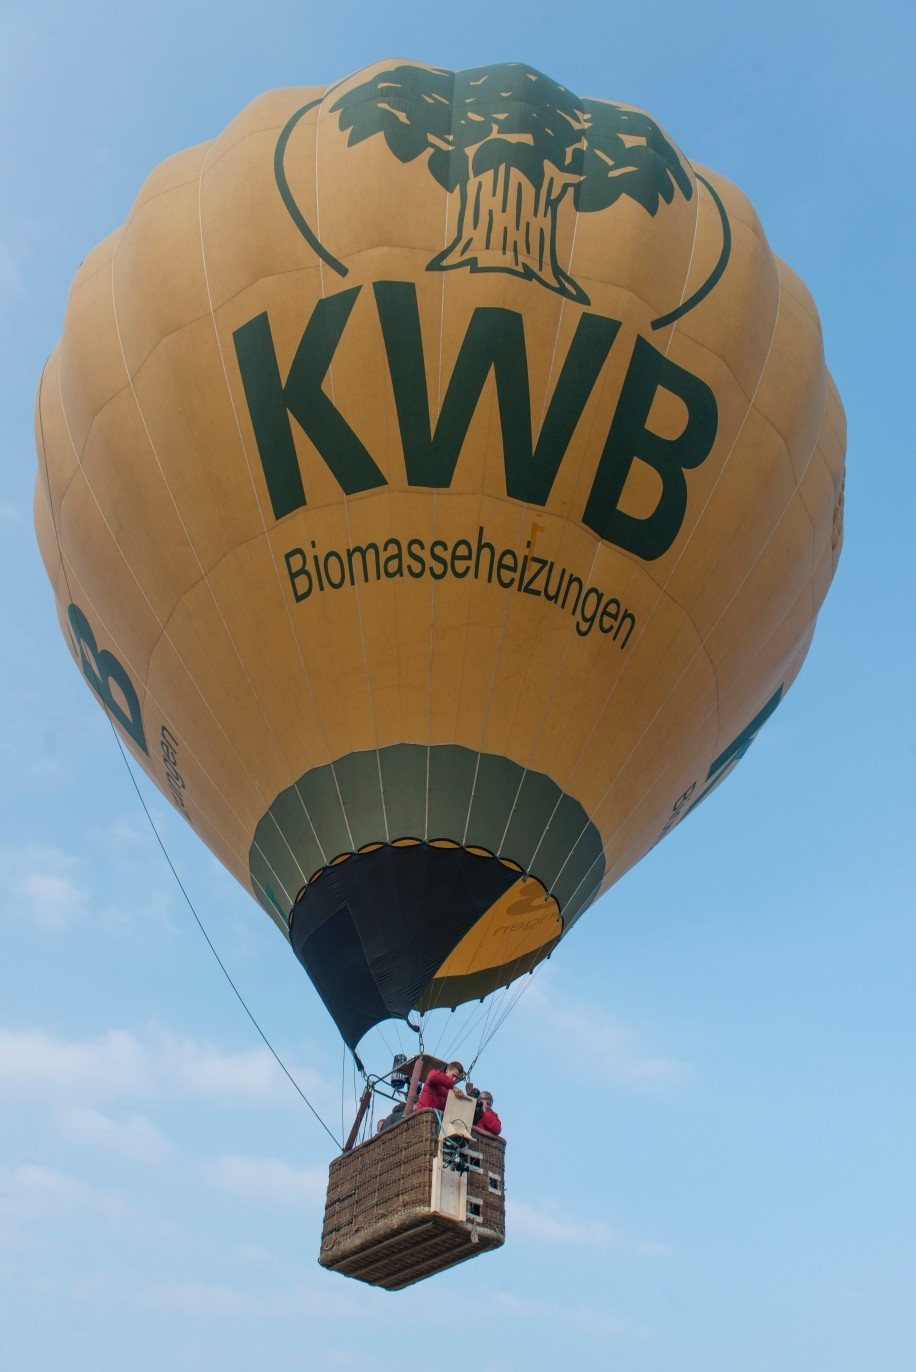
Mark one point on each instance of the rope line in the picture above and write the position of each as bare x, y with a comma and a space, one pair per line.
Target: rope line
163, 627
337, 1143
267, 1043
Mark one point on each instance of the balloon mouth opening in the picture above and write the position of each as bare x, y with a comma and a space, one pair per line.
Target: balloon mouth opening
407, 923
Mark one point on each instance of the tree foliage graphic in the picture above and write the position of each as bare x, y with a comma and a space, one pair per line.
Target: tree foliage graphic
513, 143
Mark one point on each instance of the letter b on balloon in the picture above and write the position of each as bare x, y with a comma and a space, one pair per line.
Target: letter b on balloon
630, 439
104, 672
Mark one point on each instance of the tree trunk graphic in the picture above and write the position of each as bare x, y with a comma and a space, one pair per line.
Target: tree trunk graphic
511, 141
508, 224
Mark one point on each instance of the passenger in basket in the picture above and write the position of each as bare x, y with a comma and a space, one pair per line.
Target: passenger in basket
437, 1086
389, 1121
485, 1117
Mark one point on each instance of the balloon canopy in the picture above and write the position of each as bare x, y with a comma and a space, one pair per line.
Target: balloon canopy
439, 481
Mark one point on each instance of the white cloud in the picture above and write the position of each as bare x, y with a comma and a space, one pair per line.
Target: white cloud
314, 1299
36, 1065
302, 1296
47, 771
591, 1036
133, 1137
206, 1071
29, 1193
267, 1179
584, 1318
44, 887
120, 833
51, 889
52, 902
548, 1223
43, 1210
204, 1298
255, 1255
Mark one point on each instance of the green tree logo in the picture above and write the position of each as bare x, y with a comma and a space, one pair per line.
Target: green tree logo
513, 143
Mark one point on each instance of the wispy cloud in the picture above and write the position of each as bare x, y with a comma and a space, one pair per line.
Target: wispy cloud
120, 833
302, 1296
591, 1036
53, 902
29, 1193
255, 1255
269, 1180
132, 1137
583, 1317
119, 1066
550, 1224
44, 887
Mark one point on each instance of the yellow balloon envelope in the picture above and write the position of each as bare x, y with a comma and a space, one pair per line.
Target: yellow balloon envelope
440, 478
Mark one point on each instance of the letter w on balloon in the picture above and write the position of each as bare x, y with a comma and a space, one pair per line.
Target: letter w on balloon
493, 343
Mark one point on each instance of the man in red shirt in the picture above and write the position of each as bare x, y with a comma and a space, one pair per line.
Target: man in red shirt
489, 1121
437, 1086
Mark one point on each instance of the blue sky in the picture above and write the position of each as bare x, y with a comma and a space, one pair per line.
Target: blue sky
709, 1093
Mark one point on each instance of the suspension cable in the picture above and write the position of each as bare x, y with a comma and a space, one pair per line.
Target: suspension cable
190, 904
117, 737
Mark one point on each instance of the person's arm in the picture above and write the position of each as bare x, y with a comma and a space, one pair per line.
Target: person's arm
490, 1123
445, 1080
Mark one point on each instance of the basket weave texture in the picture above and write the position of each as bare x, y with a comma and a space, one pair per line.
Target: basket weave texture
379, 1225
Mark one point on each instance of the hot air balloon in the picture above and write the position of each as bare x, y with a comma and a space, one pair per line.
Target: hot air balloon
439, 481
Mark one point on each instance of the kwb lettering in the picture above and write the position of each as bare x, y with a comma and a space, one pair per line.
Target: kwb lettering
494, 343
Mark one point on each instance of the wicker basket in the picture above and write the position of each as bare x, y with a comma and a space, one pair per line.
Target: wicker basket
395, 1214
